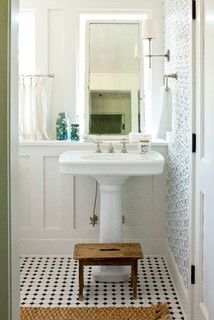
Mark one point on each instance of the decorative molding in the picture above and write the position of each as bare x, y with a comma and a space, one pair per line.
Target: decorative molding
74, 202
68, 221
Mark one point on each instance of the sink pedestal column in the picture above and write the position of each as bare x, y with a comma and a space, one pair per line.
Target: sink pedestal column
111, 224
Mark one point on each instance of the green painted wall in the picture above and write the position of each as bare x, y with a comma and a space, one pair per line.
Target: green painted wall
4, 138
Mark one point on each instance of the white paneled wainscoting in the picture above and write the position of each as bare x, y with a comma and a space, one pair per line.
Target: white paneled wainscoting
56, 208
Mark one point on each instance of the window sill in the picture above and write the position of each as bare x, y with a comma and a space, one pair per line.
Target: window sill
79, 144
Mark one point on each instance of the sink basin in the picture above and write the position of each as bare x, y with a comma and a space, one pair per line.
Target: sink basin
129, 164
111, 170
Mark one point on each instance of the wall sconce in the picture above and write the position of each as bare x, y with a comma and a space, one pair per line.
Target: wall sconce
149, 33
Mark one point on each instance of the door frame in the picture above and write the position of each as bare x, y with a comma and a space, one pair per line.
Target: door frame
14, 159
197, 256
9, 273
193, 175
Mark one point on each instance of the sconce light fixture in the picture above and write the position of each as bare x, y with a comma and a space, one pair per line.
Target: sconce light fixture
149, 32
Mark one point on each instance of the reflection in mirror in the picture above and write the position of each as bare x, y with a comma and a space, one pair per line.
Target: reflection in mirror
114, 78
110, 112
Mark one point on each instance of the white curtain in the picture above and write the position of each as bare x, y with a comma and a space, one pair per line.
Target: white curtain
34, 108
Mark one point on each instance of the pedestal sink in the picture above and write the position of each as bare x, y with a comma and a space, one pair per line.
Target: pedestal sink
111, 170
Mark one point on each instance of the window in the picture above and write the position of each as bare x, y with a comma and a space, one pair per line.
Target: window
27, 60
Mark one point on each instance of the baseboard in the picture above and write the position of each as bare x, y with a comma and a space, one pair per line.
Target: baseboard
65, 246
178, 282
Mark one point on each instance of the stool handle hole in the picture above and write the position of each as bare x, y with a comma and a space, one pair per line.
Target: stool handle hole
110, 249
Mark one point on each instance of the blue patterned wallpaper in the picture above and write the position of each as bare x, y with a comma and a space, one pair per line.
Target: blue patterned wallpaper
177, 26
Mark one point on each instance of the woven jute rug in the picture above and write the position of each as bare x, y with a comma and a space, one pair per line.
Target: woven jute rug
159, 312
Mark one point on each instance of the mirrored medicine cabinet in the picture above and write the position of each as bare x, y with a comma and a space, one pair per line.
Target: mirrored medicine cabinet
114, 77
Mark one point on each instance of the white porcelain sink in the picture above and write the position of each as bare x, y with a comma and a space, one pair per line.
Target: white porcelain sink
129, 164
111, 170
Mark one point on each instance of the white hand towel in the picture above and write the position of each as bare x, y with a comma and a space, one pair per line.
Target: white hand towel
165, 124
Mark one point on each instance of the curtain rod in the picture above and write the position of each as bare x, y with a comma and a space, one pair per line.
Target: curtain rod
49, 75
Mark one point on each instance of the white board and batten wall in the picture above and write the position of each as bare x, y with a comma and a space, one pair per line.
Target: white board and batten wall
55, 208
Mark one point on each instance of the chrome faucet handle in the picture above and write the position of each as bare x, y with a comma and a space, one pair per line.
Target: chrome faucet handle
98, 149
110, 148
124, 142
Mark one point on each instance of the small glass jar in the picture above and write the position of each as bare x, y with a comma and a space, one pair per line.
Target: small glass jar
62, 126
144, 146
75, 132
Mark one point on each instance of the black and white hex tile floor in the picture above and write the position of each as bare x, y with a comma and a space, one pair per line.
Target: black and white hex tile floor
53, 282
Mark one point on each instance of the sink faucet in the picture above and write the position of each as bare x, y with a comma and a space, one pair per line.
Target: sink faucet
110, 148
97, 142
124, 143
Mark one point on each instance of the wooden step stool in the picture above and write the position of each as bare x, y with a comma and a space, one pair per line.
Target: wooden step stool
108, 254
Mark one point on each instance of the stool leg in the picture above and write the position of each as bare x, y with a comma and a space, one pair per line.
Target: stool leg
132, 275
81, 280
134, 279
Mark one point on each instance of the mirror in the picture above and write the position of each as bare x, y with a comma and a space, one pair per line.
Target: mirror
114, 78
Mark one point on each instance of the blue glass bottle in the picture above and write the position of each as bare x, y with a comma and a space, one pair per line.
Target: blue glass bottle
62, 126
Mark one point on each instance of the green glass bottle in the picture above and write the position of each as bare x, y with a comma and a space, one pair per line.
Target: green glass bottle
62, 126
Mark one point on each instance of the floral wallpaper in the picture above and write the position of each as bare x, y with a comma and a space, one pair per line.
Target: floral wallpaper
177, 26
